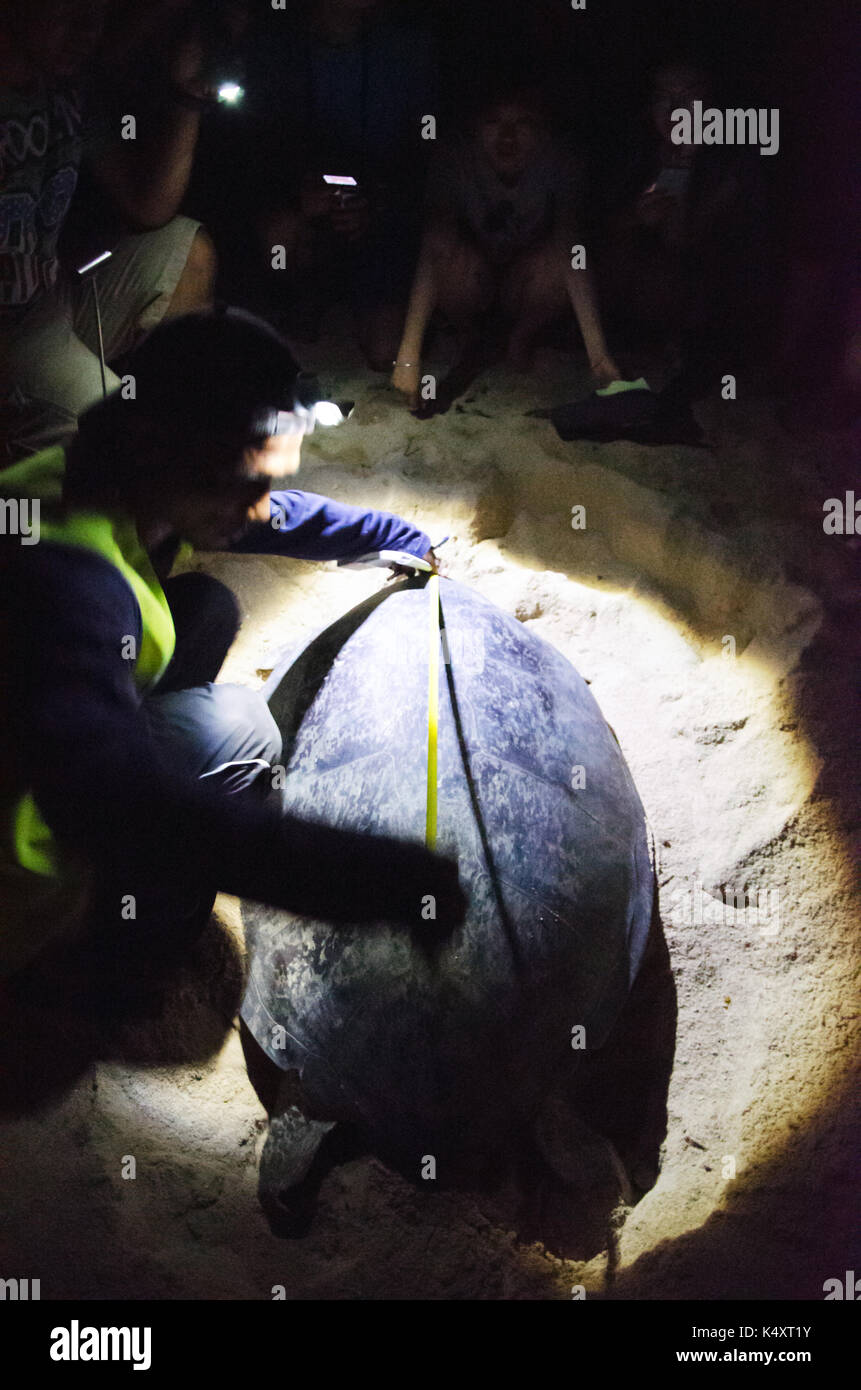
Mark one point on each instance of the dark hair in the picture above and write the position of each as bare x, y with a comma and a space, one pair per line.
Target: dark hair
214, 372
204, 386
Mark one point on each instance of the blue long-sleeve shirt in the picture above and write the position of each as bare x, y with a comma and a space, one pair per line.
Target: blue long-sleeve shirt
306, 526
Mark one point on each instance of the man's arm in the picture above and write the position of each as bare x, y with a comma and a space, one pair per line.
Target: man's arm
146, 178
307, 526
98, 778
442, 210
579, 284
147, 184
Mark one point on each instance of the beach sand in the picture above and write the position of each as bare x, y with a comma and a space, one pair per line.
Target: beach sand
718, 626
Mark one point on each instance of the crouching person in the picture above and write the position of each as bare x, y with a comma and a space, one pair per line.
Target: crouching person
67, 94
133, 788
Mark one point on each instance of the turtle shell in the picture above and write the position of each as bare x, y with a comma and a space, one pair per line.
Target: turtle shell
445, 1049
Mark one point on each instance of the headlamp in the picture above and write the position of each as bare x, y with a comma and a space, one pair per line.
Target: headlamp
328, 413
229, 93
308, 410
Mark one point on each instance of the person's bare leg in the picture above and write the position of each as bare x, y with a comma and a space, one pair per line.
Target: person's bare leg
465, 285
379, 333
195, 287
533, 295
467, 291
451, 275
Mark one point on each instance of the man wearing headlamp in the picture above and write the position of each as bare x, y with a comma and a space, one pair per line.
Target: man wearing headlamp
127, 774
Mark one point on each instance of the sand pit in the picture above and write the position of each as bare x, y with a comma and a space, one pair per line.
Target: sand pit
717, 626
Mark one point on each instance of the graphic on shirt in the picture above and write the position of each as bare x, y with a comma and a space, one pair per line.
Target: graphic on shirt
40, 150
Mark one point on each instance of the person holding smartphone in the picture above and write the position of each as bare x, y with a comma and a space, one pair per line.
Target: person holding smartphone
335, 100
685, 228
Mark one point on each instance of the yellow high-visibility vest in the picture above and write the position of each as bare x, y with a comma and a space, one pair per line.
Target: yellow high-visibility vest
43, 889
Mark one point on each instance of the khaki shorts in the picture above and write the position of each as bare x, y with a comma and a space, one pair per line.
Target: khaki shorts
49, 353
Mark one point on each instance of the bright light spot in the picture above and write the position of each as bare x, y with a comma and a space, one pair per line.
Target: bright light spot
105, 255
231, 92
327, 413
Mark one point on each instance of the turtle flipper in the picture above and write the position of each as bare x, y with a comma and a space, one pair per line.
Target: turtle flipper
292, 1167
296, 1157
578, 1154
573, 1185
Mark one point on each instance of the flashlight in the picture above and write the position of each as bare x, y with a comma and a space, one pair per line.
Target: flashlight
303, 418
308, 407
328, 413
229, 93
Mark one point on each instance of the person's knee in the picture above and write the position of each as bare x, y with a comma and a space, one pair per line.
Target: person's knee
30, 424
242, 727
204, 598
206, 619
202, 260
196, 285
222, 734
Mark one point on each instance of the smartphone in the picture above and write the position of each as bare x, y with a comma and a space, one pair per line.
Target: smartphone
344, 185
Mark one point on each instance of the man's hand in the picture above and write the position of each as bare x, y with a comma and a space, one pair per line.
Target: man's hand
405, 378
342, 876
399, 571
449, 902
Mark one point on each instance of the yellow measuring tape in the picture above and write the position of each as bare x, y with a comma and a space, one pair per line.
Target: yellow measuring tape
433, 710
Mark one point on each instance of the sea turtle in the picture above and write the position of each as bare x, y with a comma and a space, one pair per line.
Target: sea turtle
438, 1051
